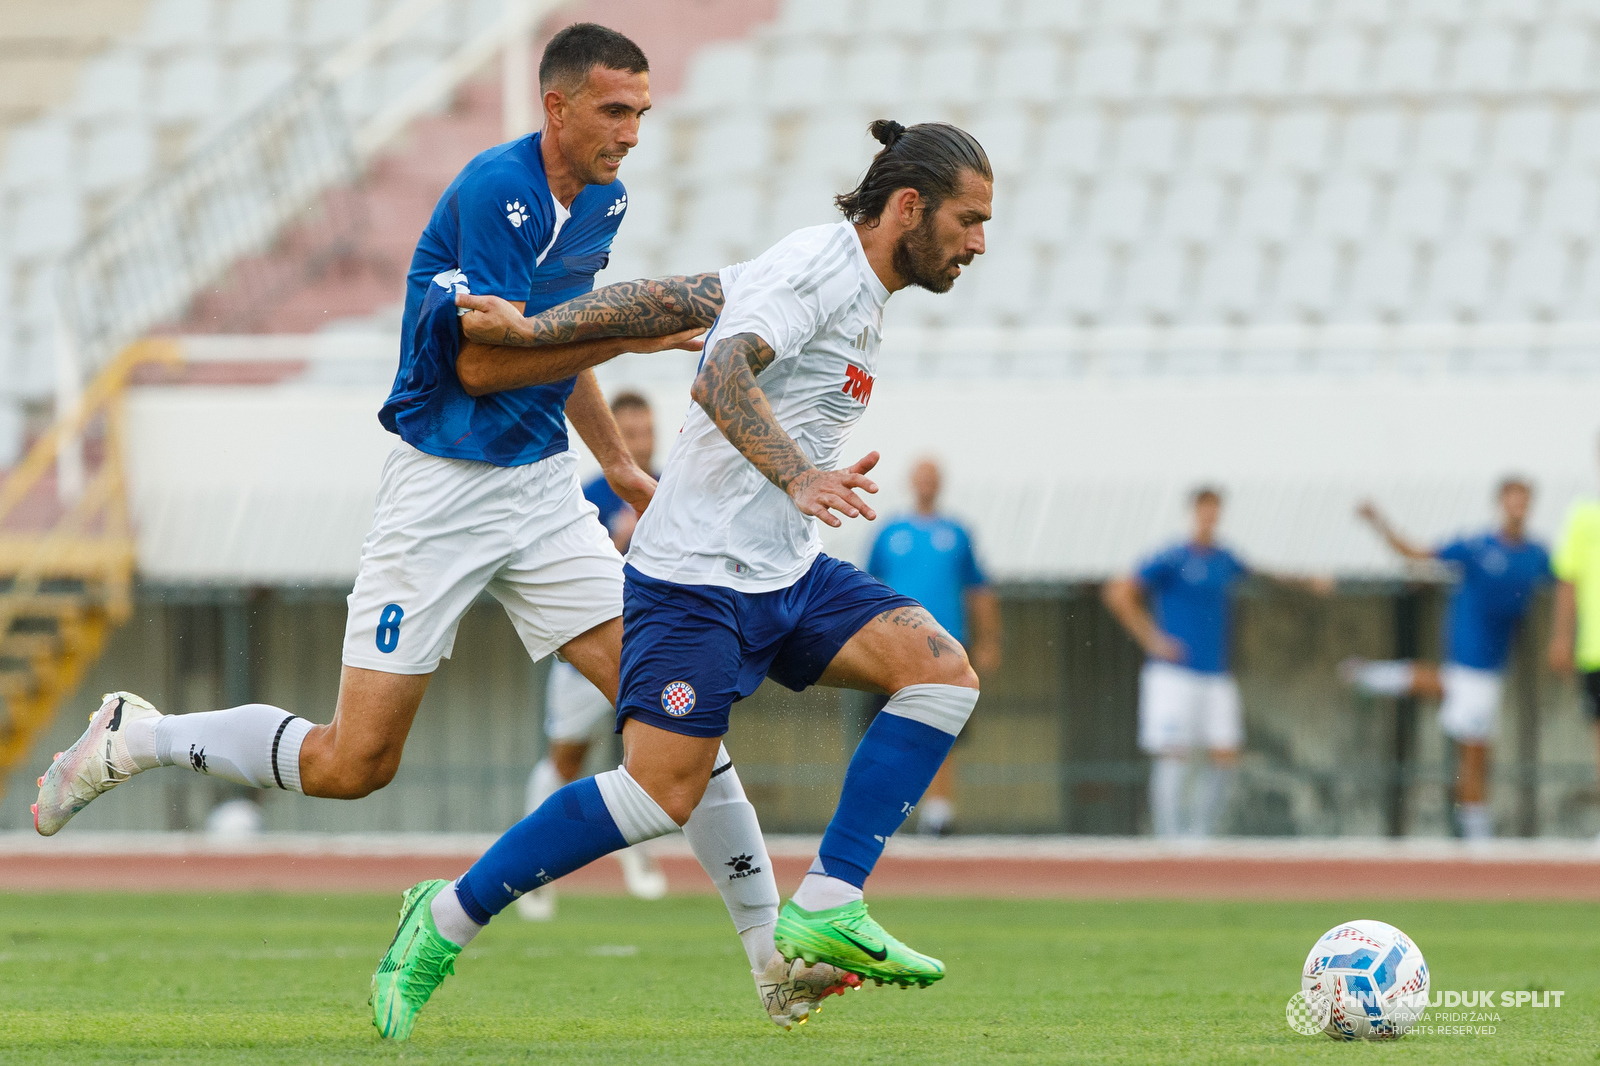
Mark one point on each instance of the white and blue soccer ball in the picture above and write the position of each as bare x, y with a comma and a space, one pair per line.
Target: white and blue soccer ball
1369, 977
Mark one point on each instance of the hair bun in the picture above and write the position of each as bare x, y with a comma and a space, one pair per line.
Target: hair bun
887, 131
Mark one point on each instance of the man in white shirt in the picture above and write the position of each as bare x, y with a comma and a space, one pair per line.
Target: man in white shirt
727, 583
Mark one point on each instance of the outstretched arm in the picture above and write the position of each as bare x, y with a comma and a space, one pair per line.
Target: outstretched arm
652, 307
726, 390
592, 418
1368, 511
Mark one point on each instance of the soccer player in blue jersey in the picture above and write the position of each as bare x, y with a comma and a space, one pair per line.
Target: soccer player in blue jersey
1178, 606
726, 580
481, 494
1498, 573
928, 556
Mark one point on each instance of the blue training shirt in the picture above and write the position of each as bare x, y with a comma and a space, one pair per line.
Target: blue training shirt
495, 224
931, 560
1497, 582
1190, 589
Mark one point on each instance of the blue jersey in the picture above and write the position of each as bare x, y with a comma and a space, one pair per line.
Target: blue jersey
1497, 582
600, 493
1191, 594
498, 226
931, 560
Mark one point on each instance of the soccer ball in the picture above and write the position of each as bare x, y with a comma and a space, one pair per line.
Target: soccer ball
1369, 977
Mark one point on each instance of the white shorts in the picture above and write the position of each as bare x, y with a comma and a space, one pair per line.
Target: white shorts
447, 529
1471, 702
574, 709
1181, 708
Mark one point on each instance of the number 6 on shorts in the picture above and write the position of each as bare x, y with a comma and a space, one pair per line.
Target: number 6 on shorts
389, 627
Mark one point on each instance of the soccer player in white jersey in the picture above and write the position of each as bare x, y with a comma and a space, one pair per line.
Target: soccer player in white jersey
727, 583
482, 493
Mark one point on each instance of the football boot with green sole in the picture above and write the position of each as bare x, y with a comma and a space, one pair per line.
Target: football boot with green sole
417, 962
847, 938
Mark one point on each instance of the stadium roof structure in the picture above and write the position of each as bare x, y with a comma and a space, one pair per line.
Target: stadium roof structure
1063, 477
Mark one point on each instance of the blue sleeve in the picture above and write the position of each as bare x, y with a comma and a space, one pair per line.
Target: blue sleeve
972, 574
1240, 567
1546, 575
878, 561
1157, 571
496, 250
1456, 551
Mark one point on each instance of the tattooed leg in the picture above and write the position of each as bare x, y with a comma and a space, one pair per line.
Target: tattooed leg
900, 647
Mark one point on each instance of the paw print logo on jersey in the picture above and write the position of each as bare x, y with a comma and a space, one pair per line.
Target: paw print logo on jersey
516, 214
677, 699
619, 206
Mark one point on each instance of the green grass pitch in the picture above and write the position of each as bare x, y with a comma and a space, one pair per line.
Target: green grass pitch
283, 979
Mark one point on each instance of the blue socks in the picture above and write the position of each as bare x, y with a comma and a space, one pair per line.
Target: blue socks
575, 826
891, 769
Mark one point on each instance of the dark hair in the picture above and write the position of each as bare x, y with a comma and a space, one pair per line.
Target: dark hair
582, 46
1513, 481
929, 157
1204, 493
629, 401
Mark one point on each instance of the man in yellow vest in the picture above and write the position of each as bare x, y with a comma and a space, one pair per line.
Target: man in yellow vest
1575, 635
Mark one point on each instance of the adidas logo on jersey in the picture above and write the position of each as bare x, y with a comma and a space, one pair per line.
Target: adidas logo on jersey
618, 207
860, 343
858, 383
516, 214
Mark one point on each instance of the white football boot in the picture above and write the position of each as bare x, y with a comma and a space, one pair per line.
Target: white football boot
538, 905
95, 764
642, 873
791, 992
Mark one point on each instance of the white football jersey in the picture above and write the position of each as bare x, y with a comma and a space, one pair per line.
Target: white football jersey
715, 519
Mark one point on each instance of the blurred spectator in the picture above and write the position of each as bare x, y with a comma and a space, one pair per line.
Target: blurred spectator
1498, 571
1575, 634
929, 557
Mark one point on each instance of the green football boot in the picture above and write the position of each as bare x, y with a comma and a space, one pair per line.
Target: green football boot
417, 962
847, 937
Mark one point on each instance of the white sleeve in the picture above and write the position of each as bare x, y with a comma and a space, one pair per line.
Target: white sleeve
732, 273
766, 304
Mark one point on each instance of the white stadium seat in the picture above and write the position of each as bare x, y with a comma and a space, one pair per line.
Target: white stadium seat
876, 72
1570, 206
1538, 279
112, 84
722, 71
730, 214
179, 23
798, 77
1562, 58
1058, 15
1223, 141
806, 17
1005, 285
1421, 206
1259, 63
1042, 212
1450, 138
1193, 209
1299, 139
1307, 280
256, 23
1445, 13
1383, 281
1460, 278
1148, 142
1485, 59
1028, 71
1270, 208
1074, 141
1345, 207
252, 81
1518, 13
1080, 283
1290, 14
1411, 60
1109, 66
188, 88
1155, 285
1008, 137
46, 222
737, 144
1230, 281
1361, 14
1583, 139
116, 154
833, 140
1142, 15
950, 73
1210, 14
39, 152
1525, 137
1336, 63
1376, 139
1186, 66
1119, 209
650, 208
1496, 206
330, 23
899, 18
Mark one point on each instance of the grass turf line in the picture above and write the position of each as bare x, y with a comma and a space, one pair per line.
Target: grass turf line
105, 978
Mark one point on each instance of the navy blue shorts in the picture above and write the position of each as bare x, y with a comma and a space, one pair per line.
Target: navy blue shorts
690, 652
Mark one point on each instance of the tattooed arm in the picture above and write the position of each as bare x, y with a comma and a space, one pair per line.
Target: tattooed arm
726, 390
653, 307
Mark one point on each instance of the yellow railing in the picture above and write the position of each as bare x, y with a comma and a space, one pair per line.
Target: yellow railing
70, 585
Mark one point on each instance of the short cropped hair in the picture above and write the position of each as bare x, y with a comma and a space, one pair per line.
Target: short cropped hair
929, 157
1204, 493
629, 401
581, 47
1513, 481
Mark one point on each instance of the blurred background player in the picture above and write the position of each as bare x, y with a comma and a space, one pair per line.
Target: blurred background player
929, 557
1575, 628
1498, 573
1178, 606
574, 708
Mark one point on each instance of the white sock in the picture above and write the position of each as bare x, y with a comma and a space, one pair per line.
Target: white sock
452, 922
1216, 784
1476, 821
1385, 677
934, 813
139, 736
638, 816
1166, 794
256, 745
819, 892
726, 837
543, 783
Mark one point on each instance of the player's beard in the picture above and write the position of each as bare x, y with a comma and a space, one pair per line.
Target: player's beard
919, 259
